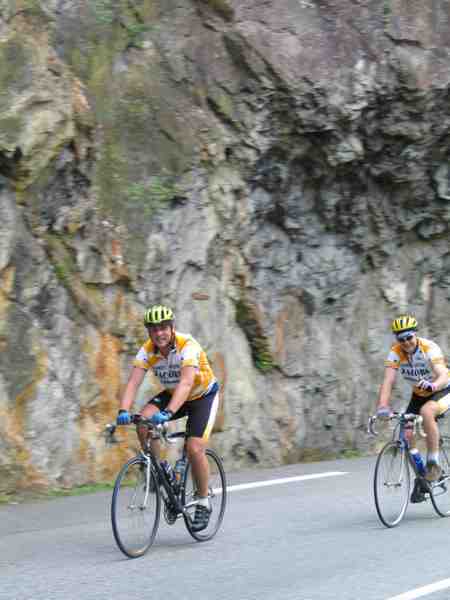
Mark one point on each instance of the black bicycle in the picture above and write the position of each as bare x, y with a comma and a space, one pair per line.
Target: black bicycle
144, 484
392, 478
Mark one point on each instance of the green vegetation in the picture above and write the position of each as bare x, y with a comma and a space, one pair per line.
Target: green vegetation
154, 195
79, 490
387, 12
350, 453
103, 11
34, 8
33, 495
319, 455
262, 356
15, 63
63, 261
162, 190
222, 7
246, 318
10, 126
223, 105
108, 13
112, 175
135, 31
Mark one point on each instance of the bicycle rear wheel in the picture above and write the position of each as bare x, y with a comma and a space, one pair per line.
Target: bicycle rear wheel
135, 508
392, 484
440, 490
217, 496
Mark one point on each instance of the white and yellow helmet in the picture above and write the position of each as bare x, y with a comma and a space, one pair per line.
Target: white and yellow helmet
158, 314
404, 323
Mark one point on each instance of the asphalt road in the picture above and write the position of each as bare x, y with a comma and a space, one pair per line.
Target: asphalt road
314, 539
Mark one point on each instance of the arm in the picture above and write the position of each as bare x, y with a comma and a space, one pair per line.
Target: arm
183, 389
440, 376
384, 396
134, 381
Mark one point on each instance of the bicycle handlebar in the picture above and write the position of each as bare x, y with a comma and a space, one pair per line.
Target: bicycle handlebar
416, 420
160, 431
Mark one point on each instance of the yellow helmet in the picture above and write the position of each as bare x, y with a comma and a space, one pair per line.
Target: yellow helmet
403, 323
158, 314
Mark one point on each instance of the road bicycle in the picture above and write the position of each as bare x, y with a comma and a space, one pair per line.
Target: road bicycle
145, 483
392, 477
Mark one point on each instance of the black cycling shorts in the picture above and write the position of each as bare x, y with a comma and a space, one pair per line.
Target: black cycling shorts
442, 398
201, 412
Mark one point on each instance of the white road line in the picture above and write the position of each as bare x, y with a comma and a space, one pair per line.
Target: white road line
257, 484
423, 591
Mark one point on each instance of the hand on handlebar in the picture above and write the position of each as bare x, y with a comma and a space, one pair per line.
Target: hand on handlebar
383, 412
123, 417
161, 417
427, 386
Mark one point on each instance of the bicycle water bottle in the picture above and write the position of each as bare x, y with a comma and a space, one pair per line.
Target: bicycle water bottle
180, 467
168, 471
417, 458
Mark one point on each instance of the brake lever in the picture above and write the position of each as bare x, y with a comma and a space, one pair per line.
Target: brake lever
109, 434
164, 432
370, 426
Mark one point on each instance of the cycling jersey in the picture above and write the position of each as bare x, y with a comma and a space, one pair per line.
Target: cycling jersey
418, 365
185, 352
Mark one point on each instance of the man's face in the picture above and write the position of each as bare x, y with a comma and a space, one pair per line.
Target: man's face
408, 340
161, 335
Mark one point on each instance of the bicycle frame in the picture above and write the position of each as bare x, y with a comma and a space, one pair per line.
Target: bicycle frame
399, 433
135, 513
153, 462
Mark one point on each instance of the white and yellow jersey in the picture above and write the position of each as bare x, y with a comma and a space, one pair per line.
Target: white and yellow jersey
186, 352
418, 365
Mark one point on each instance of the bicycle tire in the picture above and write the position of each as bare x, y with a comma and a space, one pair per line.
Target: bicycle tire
440, 490
217, 493
392, 484
135, 525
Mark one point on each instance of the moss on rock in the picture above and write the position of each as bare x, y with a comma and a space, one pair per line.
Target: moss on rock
247, 318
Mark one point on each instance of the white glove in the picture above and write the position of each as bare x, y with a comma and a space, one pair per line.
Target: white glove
427, 386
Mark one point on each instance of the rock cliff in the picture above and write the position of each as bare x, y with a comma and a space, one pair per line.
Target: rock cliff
278, 172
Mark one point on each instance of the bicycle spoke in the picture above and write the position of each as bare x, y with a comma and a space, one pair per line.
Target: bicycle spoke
440, 490
392, 484
135, 508
216, 494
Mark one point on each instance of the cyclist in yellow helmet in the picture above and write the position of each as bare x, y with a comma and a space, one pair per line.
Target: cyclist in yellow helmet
190, 389
422, 364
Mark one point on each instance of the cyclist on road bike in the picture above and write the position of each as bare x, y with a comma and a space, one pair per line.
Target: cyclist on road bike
422, 364
190, 389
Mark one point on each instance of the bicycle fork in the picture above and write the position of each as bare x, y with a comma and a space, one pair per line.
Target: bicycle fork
398, 481
142, 505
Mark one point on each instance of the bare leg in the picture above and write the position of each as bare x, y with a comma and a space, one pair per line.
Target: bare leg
429, 412
200, 469
142, 431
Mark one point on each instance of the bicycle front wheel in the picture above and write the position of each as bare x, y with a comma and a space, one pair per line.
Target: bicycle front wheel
392, 484
135, 508
217, 492
440, 490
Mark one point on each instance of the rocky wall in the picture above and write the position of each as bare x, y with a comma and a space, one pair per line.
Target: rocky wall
277, 172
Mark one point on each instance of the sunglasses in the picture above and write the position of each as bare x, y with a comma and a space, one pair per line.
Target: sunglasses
163, 325
405, 338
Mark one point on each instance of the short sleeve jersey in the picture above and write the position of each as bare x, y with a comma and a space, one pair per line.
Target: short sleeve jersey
417, 366
185, 352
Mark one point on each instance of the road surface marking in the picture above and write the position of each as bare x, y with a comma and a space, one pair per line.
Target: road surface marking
423, 591
267, 482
